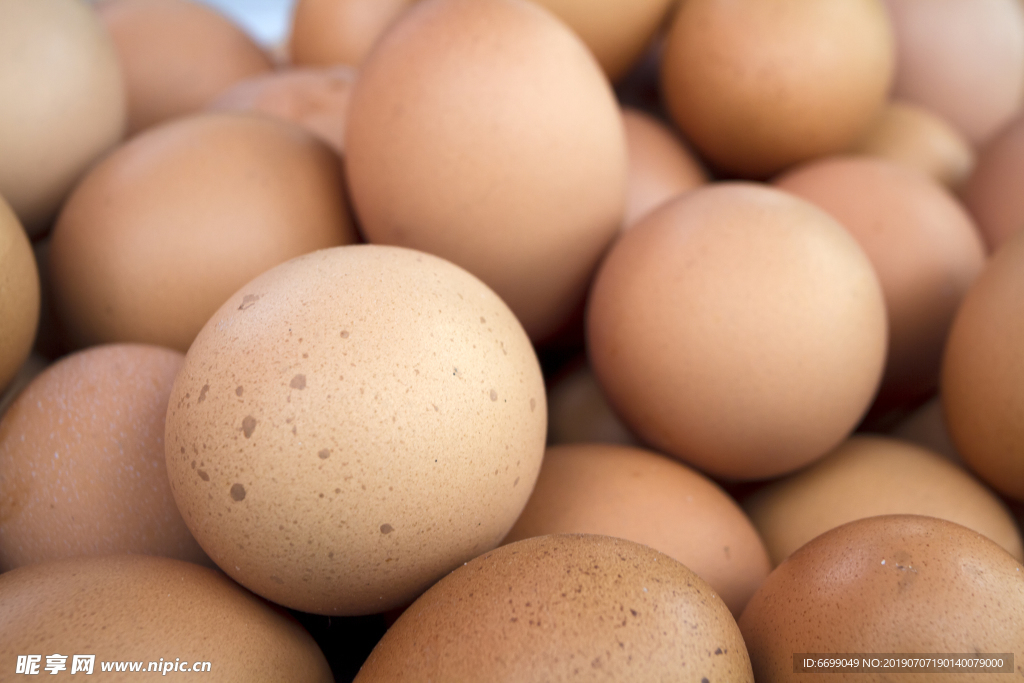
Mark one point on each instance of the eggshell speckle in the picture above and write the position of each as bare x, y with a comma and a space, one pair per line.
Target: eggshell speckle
353, 424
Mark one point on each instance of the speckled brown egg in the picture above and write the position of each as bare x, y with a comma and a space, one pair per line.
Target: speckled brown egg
63, 103
914, 135
645, 497
329, 32
759, 85
151, 609
886, 585
872, 475
564, 608
738, 328
176, 56
993, 193
352, 425
82, 460
660, 166
19, 295
315, 98
484, 132
982, 384
923, 245
162, 231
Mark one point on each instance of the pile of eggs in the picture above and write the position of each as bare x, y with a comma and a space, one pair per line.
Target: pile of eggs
619, 339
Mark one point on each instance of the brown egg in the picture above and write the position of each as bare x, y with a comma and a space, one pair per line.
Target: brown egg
160, 233
923, 246
888, 585
564, 607
926, 428
176, 55
19, 295
63, 103
912, 135
759, 85
352, 425
329, 32
660, 166
26, 373
82, 461
484, 132
169, 616
983, 373
578, 412
616, 31
738, 328
993, 193
868, 476
963, 59
315, 98
644, 497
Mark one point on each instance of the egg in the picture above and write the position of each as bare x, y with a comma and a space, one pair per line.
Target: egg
982, 383
19, 295
914, 135
868, 476
176, 56
883, 586
168, 226
168, 616
315, 98
82, 461
63, 103
759, 85
483, 131
352, 425
330, 32
992, 194
923, 245
739, 329
26, 373
963, 59
642, 496
578, 411
660, 166
925, 427
564, 607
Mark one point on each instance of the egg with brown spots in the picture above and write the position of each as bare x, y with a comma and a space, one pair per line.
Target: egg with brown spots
891, 584
565, 607
352, 425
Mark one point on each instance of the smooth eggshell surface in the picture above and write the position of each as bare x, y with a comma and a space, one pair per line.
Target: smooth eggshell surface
19, 295
331, 32
82, 460
352, 425
893, 584
639, 495
148, 609
564, 608
993, 193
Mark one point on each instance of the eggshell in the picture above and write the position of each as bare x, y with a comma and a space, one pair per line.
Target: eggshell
923, 245
176, 56
892, 584
19, 295
329, 32
26, 373
993, 193
963, 59
616, 31
82, 461
315, 98
738, 328
564, 607
644, 497
148, 609
868, 476
63, 102
758, 85
915, 136
484, 132
578, 411
982, 383
166, 228
353, 424
660, 166
926, 428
